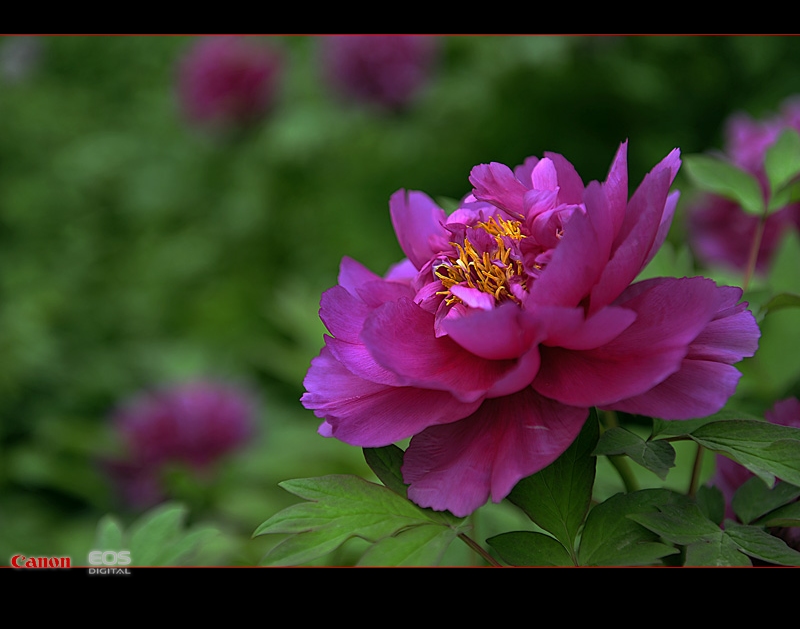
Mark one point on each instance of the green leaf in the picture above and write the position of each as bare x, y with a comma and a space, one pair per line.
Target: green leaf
656, 456
153, 533
782, 160
185, 546
711, 503
757, 543
754, 498
717, 550
341, 507
720, 177
419, 546
610, 538
782, 300
109, 534
557, 498
386, 463
528, 548
684, 427
680, 523
787, 515
766, 449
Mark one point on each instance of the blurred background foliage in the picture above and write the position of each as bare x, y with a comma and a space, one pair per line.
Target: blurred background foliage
137, 249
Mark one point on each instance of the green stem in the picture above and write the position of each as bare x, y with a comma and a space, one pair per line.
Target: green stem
698, 464
620, 464
752, 257
478, 549
619, 461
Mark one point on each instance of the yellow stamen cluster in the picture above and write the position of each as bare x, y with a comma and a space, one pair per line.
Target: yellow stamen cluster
479, 270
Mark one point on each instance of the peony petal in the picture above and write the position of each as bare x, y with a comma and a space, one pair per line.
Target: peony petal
358, 359
473, 297
663, 228
460, 465
670, 315
343, 313
417, 221
497, 334
372, 415
496, 184
400, 336
634, 240
615, 186
570, 329
544, 176
579, 259
353, 274
571, 188
700, 388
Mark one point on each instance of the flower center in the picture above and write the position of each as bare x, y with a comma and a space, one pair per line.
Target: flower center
493, 266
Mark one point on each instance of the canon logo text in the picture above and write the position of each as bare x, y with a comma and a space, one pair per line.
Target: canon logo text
21, 561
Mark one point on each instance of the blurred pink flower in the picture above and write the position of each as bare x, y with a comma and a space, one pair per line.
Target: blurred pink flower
193, 424
227, 81
510, 318
384, 70
719, 231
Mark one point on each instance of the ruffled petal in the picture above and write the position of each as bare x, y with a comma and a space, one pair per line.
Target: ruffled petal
458, 466
496, 184
634, 240
670, 315
372, 415
570, 184
579, 258
570, 329
501, 333
400, 336
353, 274
698, 389
418, 221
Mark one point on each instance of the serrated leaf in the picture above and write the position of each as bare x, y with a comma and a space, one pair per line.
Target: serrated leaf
387, 462
181, 551
711, 503
680, 523
754, 498
419, 546
529, 548
720, 177
656, 456
663, 428
151, 534
717, 550
109, 534
610, 538
757, 543
557, 498
766, 449
782, 160
341, 507
787, 515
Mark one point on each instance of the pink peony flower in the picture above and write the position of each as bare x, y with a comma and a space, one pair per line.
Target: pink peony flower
719, 231
387, 70
194, 424
228, 82
510, 318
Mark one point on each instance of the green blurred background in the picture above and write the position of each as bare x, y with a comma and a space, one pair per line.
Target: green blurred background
137, 250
